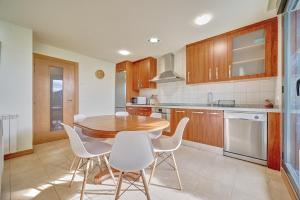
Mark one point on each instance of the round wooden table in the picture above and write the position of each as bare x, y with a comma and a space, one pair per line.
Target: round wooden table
107, 126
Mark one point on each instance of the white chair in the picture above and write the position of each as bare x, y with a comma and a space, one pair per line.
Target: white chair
84, 138
165, 146
122, 114
156, 134
87, 151
131, 152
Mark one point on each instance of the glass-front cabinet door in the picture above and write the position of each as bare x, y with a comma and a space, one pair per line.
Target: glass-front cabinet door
249, 52
291, 136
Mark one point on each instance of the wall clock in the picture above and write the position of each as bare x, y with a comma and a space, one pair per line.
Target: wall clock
100, 74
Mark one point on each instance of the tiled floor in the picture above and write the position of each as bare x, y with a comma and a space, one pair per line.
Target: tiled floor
205, 175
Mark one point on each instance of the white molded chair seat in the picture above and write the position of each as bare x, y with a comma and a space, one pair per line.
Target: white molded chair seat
155, 134
167, 146
131, 152
164, 144
87, 151
122, 114
97, 147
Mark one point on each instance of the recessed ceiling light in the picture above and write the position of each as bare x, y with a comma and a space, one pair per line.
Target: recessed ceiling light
203, 19
124, 52
153, 40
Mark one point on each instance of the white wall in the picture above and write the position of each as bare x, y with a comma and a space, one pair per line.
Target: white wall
16, 79
244, 92
96, 96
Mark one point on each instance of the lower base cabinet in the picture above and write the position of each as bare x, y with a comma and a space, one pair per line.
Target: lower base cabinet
141, 111
205, 126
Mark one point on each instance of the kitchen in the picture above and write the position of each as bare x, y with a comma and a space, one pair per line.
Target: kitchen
229, 80
139, 99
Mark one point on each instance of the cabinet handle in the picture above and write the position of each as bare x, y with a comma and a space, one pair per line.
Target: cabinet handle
180, 111
198, 112
214, 113
209, 74
229, 71
188, 76
217, 73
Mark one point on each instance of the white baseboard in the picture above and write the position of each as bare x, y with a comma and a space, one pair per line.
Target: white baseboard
203, 147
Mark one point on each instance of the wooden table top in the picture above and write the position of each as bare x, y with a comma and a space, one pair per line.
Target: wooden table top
107, 126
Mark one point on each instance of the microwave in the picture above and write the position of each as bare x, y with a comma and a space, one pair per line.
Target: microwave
139, 100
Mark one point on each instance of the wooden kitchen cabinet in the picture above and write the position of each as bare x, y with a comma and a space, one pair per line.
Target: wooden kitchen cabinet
197, 126
253, 51
128, 67
204, 126
220, 59
144, 70
274, 141
141, 111
199, 62
176, 116
248, 52
214, 128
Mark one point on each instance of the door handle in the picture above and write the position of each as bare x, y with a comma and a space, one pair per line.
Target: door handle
298, 87
69, 100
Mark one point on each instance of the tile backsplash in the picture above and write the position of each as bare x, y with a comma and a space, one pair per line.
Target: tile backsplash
243, 92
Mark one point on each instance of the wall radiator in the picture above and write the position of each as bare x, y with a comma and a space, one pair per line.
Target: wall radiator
9, 127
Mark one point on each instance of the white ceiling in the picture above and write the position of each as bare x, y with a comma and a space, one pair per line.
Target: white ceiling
99, 28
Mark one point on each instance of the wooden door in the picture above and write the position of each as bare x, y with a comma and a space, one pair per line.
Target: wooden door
214, 128
55, 97
176, 116
220, 63
197, 124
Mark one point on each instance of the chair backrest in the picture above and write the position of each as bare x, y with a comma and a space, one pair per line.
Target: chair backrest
156, 115
177, 136
131, 151
122, 113
76, 143
79, 117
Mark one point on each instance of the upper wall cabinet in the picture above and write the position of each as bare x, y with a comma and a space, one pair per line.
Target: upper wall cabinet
127, 66
144, 70
248, 52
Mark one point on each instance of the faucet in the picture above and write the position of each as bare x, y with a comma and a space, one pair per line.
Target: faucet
210, 98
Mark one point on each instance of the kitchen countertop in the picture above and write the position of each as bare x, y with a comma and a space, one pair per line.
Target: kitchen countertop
238, 107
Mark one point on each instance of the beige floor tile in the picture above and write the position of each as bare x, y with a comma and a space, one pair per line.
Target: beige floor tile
238, 195
204, 175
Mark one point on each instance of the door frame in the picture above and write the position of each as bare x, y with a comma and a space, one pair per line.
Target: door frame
76, 83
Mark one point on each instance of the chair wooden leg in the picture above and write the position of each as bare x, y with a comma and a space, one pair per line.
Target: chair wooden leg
145, 184
99, 162
153, 169
119, 186
74, 174
176, 169
73, 162
86, 172
109, 169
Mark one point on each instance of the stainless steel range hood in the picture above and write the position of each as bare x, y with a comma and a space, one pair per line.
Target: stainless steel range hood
169, 75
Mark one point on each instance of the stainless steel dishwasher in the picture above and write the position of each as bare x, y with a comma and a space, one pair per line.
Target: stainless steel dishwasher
245, 136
